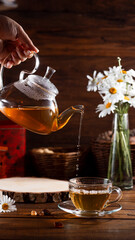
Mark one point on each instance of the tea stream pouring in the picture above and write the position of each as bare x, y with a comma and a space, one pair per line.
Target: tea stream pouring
31, 103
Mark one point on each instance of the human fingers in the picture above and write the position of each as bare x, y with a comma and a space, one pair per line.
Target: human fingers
6, 48
17, 59
9, 56
11, 31
21, 53
24, 53
4, 52
24, 39
7, 62
15, 55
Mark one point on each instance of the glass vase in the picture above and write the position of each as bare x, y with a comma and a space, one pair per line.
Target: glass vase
120, 166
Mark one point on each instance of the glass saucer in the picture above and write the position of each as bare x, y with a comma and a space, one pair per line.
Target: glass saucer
68, 207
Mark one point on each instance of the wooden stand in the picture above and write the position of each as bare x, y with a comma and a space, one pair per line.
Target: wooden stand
34, 190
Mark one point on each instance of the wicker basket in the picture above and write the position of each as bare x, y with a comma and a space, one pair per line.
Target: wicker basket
57, 163
101, 150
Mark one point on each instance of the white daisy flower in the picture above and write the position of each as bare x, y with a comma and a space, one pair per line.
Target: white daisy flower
113, 70
132, 102
129, 79
116, 87
113, 92
7, 204
131, 72
105, 109
93, 82
131, 89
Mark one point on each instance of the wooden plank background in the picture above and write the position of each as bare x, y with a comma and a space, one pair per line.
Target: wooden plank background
76, 38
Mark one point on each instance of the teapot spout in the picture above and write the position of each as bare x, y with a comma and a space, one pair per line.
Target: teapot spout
65, 116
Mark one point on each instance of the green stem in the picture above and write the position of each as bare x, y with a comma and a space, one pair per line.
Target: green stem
120, 166
118, 155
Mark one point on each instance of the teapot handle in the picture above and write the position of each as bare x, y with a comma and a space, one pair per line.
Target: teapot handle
37, 62
1, 76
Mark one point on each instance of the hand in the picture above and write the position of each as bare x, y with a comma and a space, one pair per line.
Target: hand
15, 45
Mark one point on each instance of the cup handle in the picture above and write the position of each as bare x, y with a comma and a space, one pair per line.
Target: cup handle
119, 196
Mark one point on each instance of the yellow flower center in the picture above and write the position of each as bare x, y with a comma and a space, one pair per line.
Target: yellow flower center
108, 105
126, 98
112, 90
104, 77
124, 72
119, 80
5, 206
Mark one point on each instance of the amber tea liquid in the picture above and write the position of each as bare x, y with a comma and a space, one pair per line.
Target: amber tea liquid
90, 201
36, 119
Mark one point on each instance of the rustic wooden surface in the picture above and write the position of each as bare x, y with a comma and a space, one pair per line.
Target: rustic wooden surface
21, 225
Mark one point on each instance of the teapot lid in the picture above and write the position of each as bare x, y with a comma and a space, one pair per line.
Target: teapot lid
43, 83
37, 87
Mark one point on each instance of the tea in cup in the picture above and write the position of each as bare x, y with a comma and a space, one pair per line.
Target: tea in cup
92, 194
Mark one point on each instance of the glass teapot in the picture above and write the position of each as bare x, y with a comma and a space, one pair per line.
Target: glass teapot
31, 103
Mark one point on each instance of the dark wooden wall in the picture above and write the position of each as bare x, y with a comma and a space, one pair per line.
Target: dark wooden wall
76, 38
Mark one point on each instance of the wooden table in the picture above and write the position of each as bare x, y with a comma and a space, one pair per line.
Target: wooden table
21, 225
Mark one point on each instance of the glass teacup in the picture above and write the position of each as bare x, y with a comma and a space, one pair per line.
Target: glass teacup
92, 195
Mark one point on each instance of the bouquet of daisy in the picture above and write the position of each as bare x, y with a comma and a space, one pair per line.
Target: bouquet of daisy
117, 90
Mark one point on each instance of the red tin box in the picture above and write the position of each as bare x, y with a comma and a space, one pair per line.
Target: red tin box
12, 149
